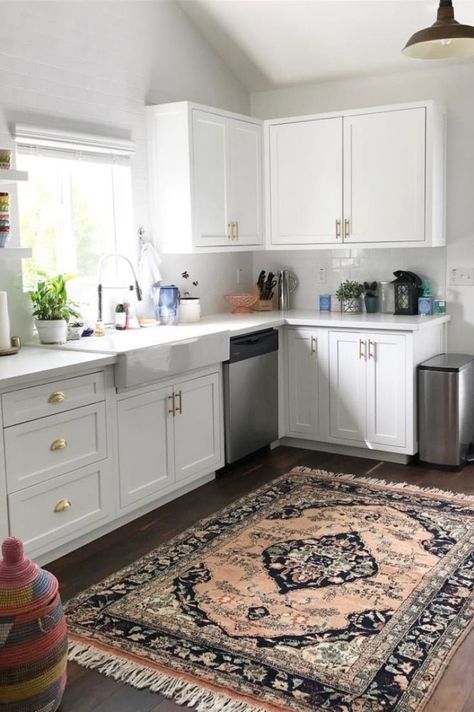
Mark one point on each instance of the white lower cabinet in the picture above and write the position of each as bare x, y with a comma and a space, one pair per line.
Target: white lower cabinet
367, 388
49, 514
197, 427
145, 445
304, 370
347, 387
168, 436
352, 387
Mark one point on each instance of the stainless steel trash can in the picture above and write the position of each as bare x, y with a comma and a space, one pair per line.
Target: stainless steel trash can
446, 409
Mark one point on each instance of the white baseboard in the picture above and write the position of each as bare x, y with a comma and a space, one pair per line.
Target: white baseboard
347, 450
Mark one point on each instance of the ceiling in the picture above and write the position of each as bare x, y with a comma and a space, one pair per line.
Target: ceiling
275, 43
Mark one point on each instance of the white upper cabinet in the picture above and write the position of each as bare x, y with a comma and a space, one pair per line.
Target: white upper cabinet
373, 177
210, 184
385, 176
206, 178
306, 181
245, 181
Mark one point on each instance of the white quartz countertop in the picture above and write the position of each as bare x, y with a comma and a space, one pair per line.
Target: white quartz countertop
33, 364
36, 362
236, 324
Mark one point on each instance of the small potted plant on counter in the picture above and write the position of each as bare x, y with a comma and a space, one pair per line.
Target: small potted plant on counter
370, 299
52, 309
349, 294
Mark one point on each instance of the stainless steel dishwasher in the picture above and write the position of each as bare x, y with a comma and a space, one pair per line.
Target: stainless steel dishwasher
251, 393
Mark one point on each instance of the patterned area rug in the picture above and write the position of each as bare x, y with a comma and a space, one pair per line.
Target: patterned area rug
316, 592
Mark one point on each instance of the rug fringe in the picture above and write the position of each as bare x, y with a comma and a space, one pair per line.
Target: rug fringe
385, 483
141, 677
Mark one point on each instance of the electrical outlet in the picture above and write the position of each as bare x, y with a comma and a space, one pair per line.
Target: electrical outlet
461, 277
321, 275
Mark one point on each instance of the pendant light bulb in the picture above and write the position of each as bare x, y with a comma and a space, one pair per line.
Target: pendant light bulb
445, 39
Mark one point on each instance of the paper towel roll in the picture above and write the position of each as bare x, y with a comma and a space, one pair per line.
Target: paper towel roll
5, 341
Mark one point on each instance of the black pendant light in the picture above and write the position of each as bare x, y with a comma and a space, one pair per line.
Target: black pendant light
446, 39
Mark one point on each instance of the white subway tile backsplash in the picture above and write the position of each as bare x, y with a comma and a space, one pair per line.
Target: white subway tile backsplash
376, 264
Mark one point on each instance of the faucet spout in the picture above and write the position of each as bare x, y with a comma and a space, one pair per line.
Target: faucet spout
100, 286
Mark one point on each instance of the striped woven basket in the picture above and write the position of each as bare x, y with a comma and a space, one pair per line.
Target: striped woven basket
33, 635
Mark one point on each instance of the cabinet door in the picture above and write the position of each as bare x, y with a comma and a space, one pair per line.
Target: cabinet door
245, 182
210, 173
145, 446
386, 389
384, 176
347, 396
303, 382
197, 427
305, 181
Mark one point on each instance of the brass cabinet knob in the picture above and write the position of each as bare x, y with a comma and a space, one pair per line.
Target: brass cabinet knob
63, 505
56, 397
59, 444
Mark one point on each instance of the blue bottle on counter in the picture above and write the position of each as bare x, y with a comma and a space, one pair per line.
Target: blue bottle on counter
325, 302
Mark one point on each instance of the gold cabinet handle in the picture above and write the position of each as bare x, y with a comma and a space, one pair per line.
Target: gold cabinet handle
371, 349
338, 229
347, 228
63, 505
362, 349
229, 231
179, 408
314, 344
56, 397
59, 444
171, 410
237, 230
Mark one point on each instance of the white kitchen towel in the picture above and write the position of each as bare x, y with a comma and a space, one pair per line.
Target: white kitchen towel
149, 274
5, 341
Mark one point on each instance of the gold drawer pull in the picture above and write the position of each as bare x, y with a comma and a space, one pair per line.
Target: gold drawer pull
179, 408
59, 444
63, 505
56, 397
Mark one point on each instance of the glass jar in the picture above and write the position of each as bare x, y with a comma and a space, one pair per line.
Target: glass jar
387, 298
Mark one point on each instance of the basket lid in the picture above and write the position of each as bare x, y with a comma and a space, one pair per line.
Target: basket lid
23, 585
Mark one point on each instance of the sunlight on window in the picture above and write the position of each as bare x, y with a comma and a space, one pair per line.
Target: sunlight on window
68, 214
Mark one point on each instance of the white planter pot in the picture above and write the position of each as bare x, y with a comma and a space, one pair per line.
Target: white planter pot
189, 310
52, 331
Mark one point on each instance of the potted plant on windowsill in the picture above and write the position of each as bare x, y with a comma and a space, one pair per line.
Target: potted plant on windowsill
52, 309
349, 294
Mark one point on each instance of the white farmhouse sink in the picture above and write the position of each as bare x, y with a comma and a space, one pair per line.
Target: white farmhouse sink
137, 367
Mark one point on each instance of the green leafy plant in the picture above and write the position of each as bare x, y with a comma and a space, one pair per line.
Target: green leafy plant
50, 300
349, 290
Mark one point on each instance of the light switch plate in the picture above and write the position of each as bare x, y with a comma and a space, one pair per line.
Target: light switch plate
321, 275
461, 277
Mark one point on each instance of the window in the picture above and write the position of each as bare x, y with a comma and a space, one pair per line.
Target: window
75, 207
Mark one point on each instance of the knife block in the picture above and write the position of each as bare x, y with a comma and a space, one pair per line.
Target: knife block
263, 305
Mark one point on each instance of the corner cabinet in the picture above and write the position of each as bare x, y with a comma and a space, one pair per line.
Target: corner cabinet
371, 177
168, 436
356, 388
206, 179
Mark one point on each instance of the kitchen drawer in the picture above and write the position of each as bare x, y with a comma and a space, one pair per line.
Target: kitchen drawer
53, 513
38, 401
42, 449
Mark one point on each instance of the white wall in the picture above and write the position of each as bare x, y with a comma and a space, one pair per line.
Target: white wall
92, 66
454, 86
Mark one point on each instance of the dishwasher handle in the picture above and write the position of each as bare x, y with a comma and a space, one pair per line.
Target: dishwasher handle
251, 345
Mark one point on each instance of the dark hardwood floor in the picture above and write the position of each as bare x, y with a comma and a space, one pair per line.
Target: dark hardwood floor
87, 690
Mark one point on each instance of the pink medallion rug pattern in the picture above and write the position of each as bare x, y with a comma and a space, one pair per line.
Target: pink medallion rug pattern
315, 592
